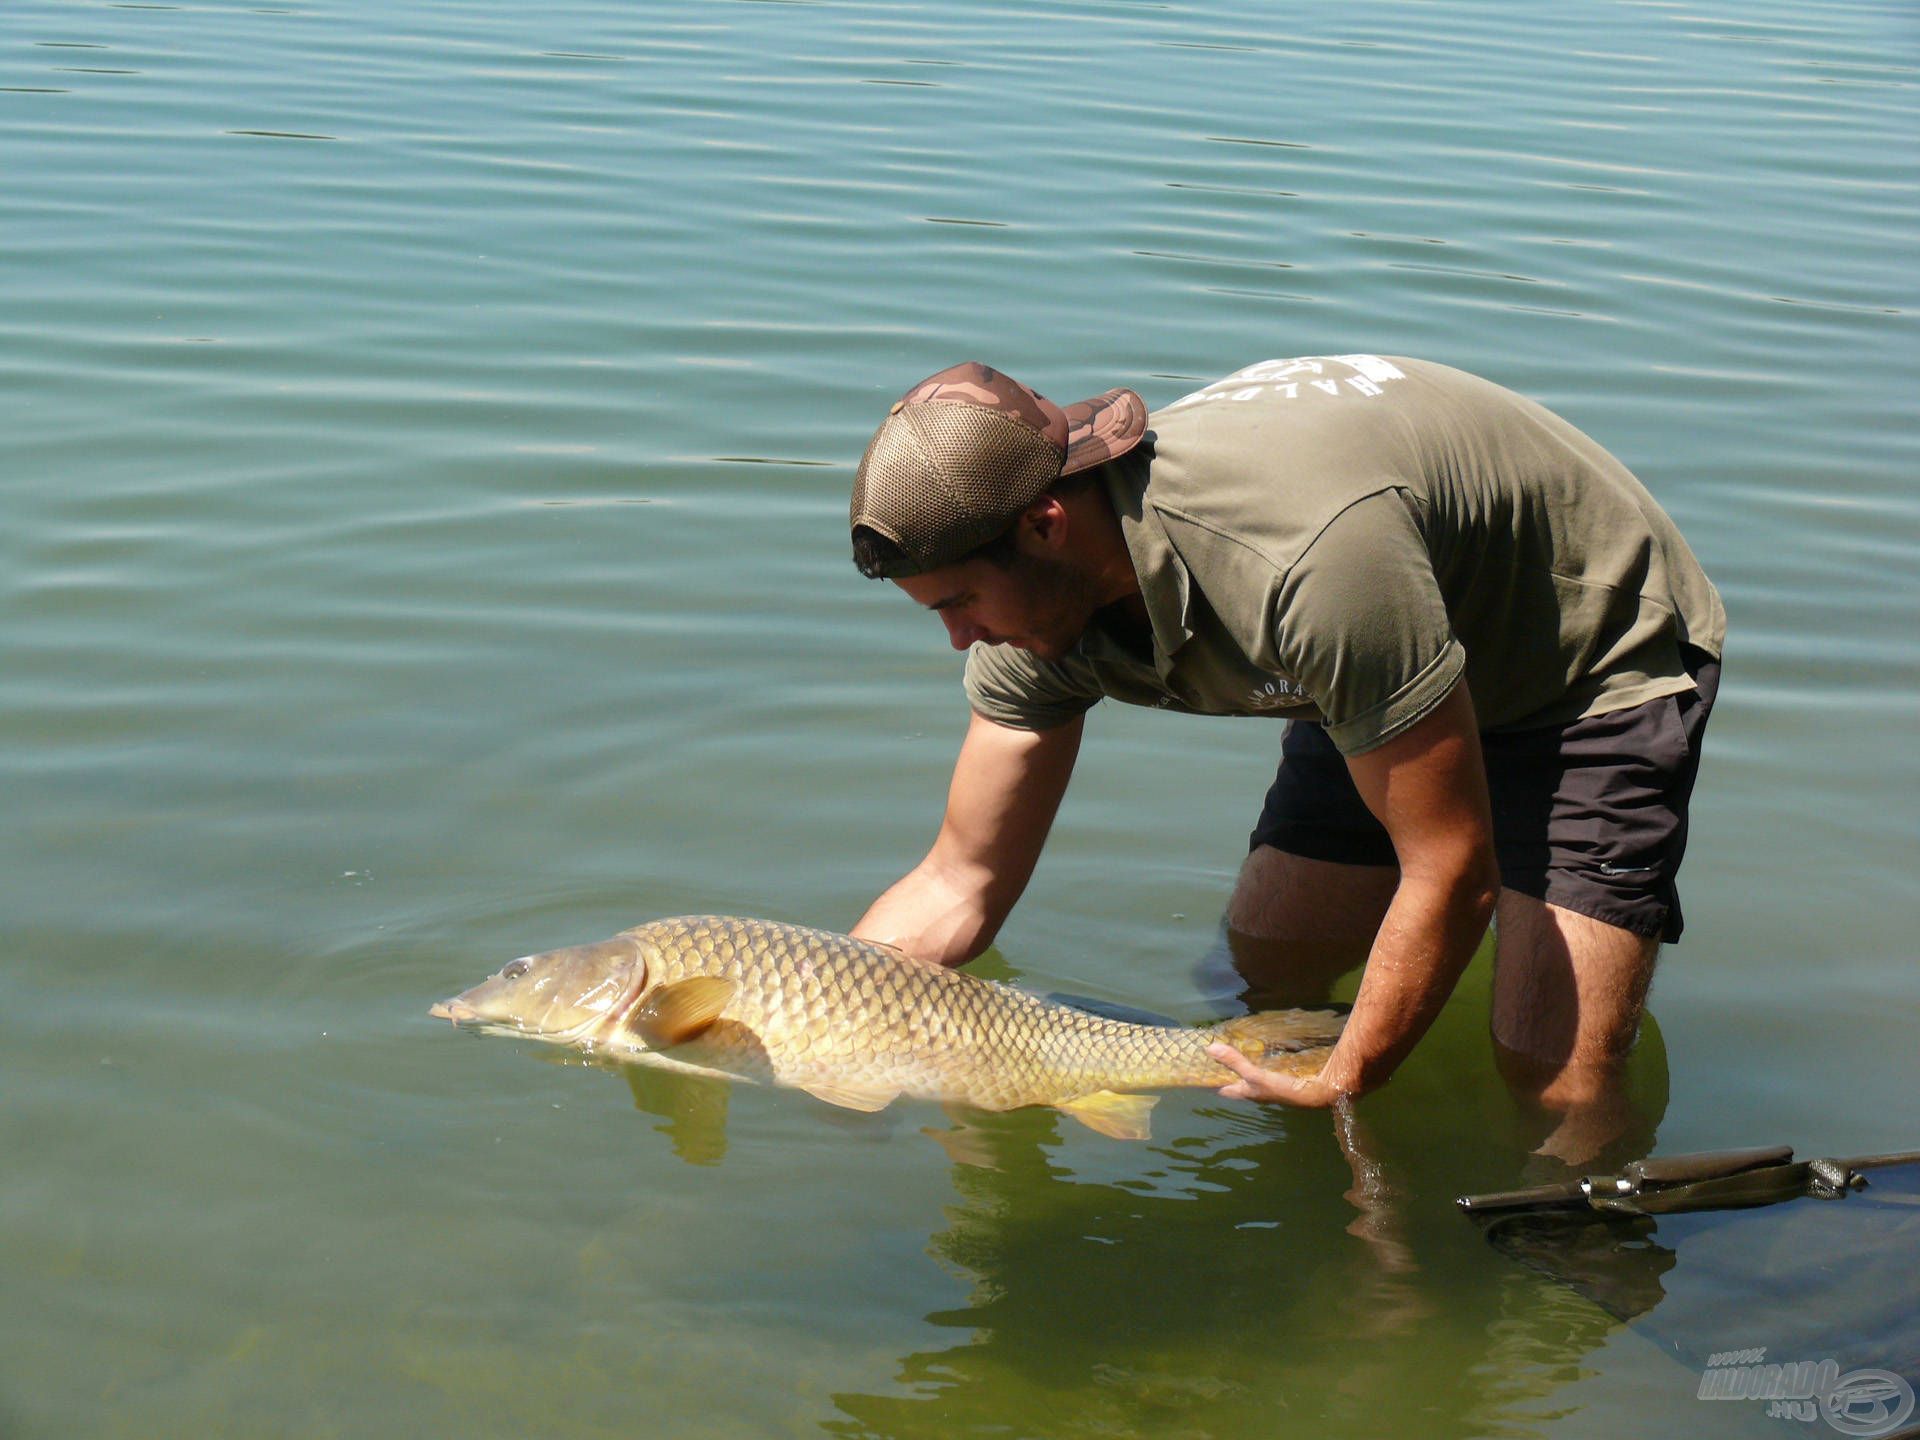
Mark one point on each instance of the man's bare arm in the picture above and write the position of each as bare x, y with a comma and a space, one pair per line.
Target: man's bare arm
1007, 786
1428, 786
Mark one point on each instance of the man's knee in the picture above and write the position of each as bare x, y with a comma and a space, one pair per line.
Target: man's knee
1284, 896
1569, 998
1296, 925
1568, 990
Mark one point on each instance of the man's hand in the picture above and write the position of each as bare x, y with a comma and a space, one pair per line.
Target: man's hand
1309, 1092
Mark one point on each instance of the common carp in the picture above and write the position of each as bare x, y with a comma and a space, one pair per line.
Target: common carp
858, 1024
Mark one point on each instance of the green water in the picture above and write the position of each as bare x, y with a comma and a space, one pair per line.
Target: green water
425, 542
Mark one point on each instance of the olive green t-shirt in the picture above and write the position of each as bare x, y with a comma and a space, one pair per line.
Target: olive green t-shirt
1342, 538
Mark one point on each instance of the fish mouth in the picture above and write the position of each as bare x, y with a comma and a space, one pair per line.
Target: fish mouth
472, 1022
465, 1017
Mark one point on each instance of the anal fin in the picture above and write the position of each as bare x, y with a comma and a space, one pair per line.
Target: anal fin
849, 1096
1124, 1117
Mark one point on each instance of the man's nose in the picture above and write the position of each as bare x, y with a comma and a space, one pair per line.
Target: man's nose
960, 632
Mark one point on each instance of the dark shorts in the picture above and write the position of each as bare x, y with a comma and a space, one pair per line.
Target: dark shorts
1591, 816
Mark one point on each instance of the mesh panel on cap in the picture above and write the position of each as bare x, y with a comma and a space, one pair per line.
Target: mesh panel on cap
945, 478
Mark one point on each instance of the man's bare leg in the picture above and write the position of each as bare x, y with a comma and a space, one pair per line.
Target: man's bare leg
1296, 925
1567, 995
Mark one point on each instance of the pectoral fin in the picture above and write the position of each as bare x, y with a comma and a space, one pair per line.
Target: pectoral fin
1124, 1117
853, 1097
677, 1013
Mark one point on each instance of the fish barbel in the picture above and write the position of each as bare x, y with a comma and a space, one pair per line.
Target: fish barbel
859, 1024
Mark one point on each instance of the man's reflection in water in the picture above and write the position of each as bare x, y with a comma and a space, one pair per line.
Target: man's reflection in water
1213, 1281
1394, 1302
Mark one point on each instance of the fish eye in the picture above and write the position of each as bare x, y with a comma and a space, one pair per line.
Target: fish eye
516, 968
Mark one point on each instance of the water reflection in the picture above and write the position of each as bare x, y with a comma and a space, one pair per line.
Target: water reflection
1792, 1283
692, 1109
1213, 1291
1087, 1294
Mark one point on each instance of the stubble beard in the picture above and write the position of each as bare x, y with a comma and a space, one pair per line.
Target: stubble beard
1061, 601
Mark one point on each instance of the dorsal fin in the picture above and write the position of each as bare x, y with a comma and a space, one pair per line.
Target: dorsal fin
1112, 1010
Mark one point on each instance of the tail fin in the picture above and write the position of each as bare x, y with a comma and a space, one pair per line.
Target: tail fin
1273, 1033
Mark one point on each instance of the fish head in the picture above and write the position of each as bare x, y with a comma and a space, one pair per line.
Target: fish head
564, 996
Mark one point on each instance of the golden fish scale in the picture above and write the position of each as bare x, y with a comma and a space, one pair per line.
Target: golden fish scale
829, 1009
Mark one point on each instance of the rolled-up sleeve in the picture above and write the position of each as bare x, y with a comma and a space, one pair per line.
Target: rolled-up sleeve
1362, 626
1011, 687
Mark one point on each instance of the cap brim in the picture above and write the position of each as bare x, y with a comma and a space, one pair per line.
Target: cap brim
1103, 428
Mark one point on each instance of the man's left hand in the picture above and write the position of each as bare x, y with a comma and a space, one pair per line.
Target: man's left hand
1309, 1092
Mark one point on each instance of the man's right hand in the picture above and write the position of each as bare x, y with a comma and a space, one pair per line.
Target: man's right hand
1007, 786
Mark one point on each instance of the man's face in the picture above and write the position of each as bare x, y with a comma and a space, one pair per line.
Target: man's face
1039, 603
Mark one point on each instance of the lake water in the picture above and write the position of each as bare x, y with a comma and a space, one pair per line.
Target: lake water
427, 431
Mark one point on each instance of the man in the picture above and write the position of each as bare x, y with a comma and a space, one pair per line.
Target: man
1496, 649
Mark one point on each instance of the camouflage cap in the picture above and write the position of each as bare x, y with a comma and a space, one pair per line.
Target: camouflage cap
964, 452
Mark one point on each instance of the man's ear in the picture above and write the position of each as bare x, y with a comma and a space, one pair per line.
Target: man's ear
1046, 521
